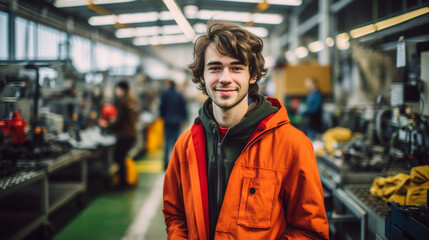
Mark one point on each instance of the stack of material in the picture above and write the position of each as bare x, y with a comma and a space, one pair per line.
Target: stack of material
402, 188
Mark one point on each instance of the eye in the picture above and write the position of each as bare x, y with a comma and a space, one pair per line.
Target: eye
237, 68
214, 68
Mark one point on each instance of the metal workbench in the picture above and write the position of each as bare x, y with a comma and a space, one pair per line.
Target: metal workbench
358, 214
27, 198
21, 210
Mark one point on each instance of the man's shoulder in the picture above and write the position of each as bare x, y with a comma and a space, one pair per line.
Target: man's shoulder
184, 138
292, 134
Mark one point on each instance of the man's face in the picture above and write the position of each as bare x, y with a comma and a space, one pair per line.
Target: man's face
226, 79
309, 84
119, 92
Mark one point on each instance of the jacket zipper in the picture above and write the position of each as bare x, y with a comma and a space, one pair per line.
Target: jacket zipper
220, 175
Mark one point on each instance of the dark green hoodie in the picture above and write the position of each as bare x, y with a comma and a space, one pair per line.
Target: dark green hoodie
221, 155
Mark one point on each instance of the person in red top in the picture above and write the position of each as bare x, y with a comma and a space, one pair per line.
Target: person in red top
242, 171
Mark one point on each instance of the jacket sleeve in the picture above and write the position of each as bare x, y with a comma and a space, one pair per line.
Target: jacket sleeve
304, 200
173, 205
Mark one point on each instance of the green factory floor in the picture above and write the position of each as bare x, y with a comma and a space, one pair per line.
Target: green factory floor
124, 214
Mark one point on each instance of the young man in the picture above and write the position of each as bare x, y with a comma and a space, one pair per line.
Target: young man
242, 171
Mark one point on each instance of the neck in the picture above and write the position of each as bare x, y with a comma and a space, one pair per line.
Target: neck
228, 117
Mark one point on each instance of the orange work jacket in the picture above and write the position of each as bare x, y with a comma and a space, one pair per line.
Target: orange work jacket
273, 192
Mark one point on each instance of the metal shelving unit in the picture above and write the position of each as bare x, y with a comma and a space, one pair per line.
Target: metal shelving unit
19, 214
61, 192
15, 222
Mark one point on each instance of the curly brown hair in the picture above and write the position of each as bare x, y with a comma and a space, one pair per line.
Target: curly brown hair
233, 41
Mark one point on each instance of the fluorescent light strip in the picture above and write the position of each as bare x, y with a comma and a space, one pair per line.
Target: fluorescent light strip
264, 18
258, 31
301, 52
362, 31
180, 19
365, 30
401, 18
147, 31
78, 3
261, 32
330, 42
316, 46
138, 17
272, 2
129, 18
342, 40
160, 40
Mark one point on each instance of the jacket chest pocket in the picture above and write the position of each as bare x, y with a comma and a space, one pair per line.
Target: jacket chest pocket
256, 202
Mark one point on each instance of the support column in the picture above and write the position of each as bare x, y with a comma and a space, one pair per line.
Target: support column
11, 29
293, 34
324, 23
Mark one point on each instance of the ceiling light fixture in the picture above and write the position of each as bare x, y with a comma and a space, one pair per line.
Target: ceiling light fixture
191, 11
330, 42
261, 32
365, 30
272, 2
301, 52
160, 40
316, 46
263, 18
147, 31
78, 3
128, 18
290, 56
343, 41
401, 18
137, 32
102, 20
180, 19
362, 31
138, 17
200, 28
258, 31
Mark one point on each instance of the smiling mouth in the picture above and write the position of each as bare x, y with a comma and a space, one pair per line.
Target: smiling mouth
225, 92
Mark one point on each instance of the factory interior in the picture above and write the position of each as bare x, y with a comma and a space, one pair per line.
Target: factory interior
63, 61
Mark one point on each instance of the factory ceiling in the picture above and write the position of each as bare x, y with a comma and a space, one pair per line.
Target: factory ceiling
157, 22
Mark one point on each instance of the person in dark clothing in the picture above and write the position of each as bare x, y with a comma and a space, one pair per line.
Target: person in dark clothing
313, 113
124, 126
173, 112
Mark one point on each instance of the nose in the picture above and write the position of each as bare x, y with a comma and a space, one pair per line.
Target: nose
226, 76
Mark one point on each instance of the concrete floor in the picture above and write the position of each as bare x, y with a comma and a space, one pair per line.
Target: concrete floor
124, 214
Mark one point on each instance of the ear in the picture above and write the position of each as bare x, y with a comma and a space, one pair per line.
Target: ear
253, 80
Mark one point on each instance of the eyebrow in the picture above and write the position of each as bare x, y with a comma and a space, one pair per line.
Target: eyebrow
219, 63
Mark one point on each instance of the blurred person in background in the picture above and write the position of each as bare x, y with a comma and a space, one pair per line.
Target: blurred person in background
174, 113
124, 126
242, 171
313, 112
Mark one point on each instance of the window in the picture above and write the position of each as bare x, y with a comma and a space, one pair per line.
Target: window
49, 42
4, 36
80, 53
102, 57
24, 39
